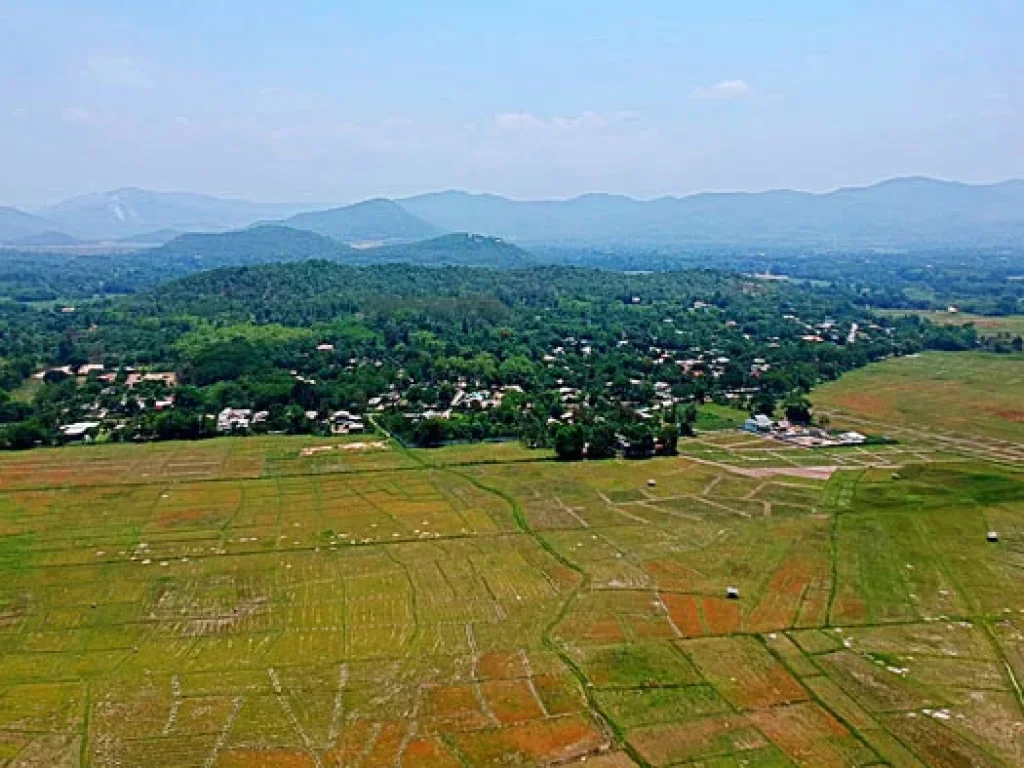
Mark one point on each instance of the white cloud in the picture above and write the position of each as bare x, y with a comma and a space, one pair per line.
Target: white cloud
727, 89
116, 71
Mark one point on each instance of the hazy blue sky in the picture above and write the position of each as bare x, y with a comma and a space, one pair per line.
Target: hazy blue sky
336, 101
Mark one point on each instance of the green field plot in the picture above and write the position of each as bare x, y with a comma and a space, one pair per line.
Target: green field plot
305, 603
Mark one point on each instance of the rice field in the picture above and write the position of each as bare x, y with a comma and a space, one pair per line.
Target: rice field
303, 602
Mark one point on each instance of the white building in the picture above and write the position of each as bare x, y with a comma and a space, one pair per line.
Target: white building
232, 419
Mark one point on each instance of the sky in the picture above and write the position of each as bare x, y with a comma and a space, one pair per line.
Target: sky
336, 101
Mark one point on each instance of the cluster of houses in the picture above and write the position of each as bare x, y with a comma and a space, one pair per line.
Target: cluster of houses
132, 377
233, 420
472, 396
799, 434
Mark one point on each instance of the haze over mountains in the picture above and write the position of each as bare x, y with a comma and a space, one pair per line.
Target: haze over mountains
368, 222
901, 213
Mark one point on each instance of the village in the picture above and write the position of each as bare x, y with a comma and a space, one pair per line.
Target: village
125, 403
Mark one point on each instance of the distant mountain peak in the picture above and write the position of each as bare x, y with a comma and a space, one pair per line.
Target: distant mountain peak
131, 211
378, 220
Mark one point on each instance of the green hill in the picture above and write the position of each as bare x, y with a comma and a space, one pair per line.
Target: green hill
450, 250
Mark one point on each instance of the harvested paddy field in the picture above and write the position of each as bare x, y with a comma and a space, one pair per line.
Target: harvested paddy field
280, 601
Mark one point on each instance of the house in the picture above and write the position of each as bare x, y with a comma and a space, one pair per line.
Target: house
478, 401
234, 419
346, 423
65, 370
325, 348
759, 423
83, 430
167, 378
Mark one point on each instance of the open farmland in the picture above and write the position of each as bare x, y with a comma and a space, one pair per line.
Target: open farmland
968, 402
293, 602
987, 325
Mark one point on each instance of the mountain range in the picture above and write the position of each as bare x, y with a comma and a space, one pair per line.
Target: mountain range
900, 213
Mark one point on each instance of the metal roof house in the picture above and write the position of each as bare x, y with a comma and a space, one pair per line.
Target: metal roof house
759, 423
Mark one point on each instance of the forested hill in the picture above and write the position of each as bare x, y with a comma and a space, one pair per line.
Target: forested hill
257, 245
270, 244
303, 293
451, 250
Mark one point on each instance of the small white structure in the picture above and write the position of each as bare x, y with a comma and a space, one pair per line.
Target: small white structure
81, 430
652, 483
993, 536
231, 419
345, 423
733, 593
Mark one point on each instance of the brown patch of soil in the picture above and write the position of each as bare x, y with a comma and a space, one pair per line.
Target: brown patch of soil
685, 614
721, 615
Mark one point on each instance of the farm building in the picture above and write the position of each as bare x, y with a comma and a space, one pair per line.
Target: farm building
759, 423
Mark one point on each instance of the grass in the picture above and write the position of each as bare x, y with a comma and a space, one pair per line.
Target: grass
252, 602
973, 395
712, 417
